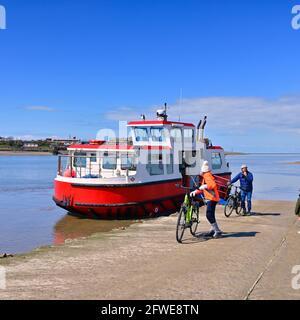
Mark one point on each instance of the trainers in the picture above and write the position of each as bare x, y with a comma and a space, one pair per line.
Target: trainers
217, 235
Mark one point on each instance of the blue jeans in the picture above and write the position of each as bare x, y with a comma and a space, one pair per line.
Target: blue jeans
248, 195
211, 211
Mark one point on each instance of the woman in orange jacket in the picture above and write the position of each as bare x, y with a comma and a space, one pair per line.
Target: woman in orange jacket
209, 189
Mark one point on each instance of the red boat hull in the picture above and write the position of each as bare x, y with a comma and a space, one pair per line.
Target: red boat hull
122, 201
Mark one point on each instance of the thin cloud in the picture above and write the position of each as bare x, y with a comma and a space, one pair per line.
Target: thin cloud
231, 115
243, 113
39, 108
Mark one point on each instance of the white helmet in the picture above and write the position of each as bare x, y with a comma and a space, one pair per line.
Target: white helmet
205, 167
244, 166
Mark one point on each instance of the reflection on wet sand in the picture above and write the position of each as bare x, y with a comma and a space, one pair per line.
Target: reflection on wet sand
73, 227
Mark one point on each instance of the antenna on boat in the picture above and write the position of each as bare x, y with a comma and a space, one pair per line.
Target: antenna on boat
162, 113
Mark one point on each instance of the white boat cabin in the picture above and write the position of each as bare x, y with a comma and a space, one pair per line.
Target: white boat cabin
155, 150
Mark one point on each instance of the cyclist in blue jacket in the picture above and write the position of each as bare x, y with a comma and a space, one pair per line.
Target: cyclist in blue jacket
246, 183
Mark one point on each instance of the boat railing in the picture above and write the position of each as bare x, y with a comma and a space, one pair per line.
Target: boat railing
88, 167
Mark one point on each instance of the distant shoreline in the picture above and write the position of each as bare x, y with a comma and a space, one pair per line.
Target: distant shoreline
25, 153
294, 162
235, 153
259, 153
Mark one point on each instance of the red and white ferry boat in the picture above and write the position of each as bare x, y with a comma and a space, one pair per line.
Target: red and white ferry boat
141, 177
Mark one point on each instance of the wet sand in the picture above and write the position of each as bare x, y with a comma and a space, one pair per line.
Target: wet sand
72, 227
253, 260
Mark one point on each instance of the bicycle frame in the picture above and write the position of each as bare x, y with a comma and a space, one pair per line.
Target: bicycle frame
186, 218
236, 192
190, 202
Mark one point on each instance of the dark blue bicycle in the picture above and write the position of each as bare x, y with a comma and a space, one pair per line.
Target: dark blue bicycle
234, 201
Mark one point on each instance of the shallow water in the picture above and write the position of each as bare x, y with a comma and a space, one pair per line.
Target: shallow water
30, 219
274, 177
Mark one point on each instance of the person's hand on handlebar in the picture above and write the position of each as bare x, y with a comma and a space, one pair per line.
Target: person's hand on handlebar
193, 193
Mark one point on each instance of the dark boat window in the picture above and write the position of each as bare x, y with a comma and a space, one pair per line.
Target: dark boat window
155, 165
188, 135
176, 135
141, 134
80, 159
216, 160
158, 134
93, 157
128, 163
109, 162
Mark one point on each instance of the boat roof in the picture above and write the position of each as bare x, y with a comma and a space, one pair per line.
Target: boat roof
159, 123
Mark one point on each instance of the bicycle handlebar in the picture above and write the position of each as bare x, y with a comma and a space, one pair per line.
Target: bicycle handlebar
232, 185
188, 188
236, 187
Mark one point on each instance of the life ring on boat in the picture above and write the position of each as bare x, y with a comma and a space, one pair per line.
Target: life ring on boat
70, 174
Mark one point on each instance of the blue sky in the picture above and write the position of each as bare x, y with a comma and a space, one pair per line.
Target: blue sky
73, 67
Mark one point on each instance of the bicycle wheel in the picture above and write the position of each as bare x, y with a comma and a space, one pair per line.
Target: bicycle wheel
238, 208
181, 224
229, 206
195, 220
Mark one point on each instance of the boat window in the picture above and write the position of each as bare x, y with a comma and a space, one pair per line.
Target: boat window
158, 135
155, 165
216, 160
109, 162
141, 134
170, 164
188, 135
176, 135
93, 157
80, 159
128, 163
